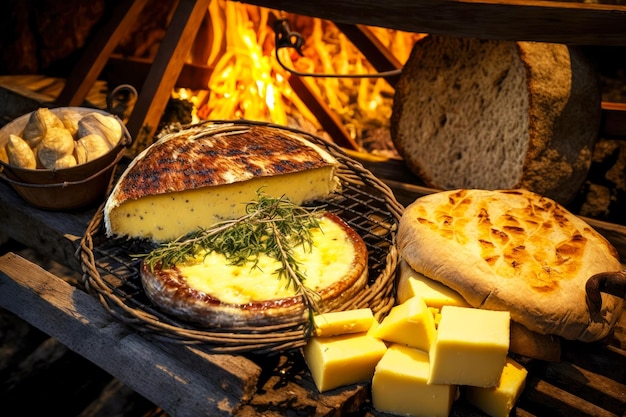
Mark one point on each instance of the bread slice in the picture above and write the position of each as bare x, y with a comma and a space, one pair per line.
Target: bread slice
513, 250
494, 114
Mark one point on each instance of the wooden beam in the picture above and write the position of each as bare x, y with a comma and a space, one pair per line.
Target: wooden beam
133, 71
374, 51
327, 118
166, 68
545, 21
53, 234
96, 53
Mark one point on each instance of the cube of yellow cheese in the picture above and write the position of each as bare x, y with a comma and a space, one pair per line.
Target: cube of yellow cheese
342, 322
498, 401
410, 323
436, 314
470, 348
400, 385
411, 283
341, 360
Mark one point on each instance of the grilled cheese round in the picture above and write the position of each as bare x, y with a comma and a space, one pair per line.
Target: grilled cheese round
209, 290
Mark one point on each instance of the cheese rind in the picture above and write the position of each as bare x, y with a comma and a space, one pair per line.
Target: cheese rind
435, 294
410, 323
470, 348
343, 322
342, 360
400, 385
498, 401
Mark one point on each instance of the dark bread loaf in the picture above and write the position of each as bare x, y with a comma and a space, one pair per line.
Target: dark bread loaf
492, 114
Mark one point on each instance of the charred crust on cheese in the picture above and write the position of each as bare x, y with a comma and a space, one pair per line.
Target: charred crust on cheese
207, 173
203, 159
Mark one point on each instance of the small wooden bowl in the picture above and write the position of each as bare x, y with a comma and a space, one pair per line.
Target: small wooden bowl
77, 187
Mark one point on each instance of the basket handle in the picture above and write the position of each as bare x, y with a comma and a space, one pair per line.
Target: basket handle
613, 283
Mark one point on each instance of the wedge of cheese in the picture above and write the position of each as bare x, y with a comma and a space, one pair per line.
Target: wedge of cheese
205, 174
498, 401
341, 360
470, 348
343, 322
411, 283
400, 385
411, 323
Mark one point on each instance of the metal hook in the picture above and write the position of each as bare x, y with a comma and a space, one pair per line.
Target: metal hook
286, 38
121, 100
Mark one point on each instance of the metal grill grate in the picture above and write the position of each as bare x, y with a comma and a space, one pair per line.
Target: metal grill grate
365, 203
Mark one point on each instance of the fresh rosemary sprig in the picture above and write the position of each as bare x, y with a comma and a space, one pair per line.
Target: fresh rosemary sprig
271, 226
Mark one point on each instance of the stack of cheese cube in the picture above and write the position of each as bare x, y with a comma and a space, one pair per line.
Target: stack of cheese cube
429, 345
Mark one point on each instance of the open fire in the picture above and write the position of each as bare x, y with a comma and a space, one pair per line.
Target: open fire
248, 82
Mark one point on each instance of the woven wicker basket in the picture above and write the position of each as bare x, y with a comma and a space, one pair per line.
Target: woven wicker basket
366, 204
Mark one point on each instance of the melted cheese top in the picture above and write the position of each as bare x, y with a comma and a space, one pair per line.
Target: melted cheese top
323, 264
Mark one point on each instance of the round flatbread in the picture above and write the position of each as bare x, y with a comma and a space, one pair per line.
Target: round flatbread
513, 250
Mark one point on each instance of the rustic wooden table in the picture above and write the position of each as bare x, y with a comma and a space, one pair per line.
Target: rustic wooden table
187, 381
172, 376
182, 380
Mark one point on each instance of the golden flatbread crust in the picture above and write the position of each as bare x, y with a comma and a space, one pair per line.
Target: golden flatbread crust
168, 290
513, 250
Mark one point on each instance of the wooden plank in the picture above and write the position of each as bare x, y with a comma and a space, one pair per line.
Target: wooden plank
175, 378
552, 400
546, 21
54, 234
593, 387
166, 67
